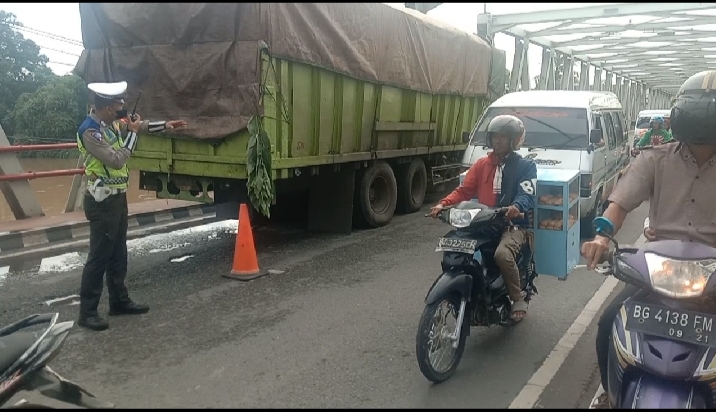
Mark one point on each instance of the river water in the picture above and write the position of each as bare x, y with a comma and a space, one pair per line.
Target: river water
52, 192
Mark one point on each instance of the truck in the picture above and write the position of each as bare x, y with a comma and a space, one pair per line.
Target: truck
364, 106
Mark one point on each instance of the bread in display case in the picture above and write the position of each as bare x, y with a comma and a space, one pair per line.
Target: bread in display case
553, 196
548, 219
556, 218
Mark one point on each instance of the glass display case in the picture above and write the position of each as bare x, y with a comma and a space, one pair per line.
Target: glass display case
556, 218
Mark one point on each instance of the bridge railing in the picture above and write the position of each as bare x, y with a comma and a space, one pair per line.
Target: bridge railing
15, 182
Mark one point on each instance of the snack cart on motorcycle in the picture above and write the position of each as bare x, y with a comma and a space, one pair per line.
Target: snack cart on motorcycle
470, 285
555, 222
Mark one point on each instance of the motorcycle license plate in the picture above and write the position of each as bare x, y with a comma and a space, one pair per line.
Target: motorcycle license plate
456, 245
682, 325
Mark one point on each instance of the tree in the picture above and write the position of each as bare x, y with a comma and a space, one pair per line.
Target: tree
53, 111
22, 68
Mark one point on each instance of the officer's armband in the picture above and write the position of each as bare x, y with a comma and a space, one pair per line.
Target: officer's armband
156, 126
131, 141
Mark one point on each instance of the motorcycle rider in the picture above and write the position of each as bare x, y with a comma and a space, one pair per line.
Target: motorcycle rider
502, 179
679, 180
656, 135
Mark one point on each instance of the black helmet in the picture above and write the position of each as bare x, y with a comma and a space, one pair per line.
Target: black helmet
508, 125
693, 117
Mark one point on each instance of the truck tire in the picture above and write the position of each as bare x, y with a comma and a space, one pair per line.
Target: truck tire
377, 195
412, 185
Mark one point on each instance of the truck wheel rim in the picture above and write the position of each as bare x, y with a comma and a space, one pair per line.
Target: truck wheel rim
379, 195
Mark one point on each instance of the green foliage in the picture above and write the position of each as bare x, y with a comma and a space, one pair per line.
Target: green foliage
258, 162
22, 68
53, 112
36, 106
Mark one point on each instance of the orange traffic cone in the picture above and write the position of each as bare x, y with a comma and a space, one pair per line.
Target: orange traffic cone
246, 263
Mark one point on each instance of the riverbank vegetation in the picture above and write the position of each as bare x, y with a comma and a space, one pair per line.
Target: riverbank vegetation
36, 105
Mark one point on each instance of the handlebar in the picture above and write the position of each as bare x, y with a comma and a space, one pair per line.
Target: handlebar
500, 212
604, 266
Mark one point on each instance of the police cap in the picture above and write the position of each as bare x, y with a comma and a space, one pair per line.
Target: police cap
109, 91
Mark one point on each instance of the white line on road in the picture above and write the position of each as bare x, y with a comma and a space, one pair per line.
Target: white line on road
599, 393
53, 301
530, 394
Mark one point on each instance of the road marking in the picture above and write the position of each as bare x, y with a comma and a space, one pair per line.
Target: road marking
599, 393
53, 301
181, 258
530, 394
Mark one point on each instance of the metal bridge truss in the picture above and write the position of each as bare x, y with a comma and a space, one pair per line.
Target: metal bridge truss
642, 63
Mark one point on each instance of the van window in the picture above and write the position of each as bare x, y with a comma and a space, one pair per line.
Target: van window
618, 128
643, 122
611, 134
554, 128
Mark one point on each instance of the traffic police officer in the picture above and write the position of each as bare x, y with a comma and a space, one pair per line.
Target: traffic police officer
107, 139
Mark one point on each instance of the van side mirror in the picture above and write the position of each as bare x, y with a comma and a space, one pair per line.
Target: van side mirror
632, 124
595, 136
466, 137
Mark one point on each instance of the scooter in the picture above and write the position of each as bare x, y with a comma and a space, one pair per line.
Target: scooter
663, 351
25, 353
470, 287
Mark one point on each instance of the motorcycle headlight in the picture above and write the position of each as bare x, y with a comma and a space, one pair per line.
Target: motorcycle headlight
679, 278
461, 218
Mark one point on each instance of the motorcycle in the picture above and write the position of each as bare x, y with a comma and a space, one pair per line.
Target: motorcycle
663, 347
470, 286
24, 356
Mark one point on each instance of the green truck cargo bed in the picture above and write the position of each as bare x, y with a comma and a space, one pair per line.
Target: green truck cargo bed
365, 106
316, 117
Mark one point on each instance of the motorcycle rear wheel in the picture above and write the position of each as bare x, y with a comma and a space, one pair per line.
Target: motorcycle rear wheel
423, 340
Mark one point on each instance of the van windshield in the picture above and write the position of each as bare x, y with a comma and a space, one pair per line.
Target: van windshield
644, 122
553, 128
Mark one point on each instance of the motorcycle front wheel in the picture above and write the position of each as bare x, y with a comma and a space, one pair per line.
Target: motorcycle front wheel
435, 342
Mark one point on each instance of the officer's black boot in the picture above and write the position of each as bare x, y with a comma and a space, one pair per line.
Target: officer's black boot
128, 308
93, 322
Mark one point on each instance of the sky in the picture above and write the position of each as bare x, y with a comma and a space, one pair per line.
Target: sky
55, 27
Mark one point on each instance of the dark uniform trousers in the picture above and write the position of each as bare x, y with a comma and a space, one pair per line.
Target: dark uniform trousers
107, 254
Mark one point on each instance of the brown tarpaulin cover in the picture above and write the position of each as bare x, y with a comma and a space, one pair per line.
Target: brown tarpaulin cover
200, 61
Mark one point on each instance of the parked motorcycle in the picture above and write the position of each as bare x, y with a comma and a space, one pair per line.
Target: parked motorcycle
470, 288
663, 351
25, 353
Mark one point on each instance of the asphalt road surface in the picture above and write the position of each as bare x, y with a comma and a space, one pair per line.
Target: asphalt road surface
333, 327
